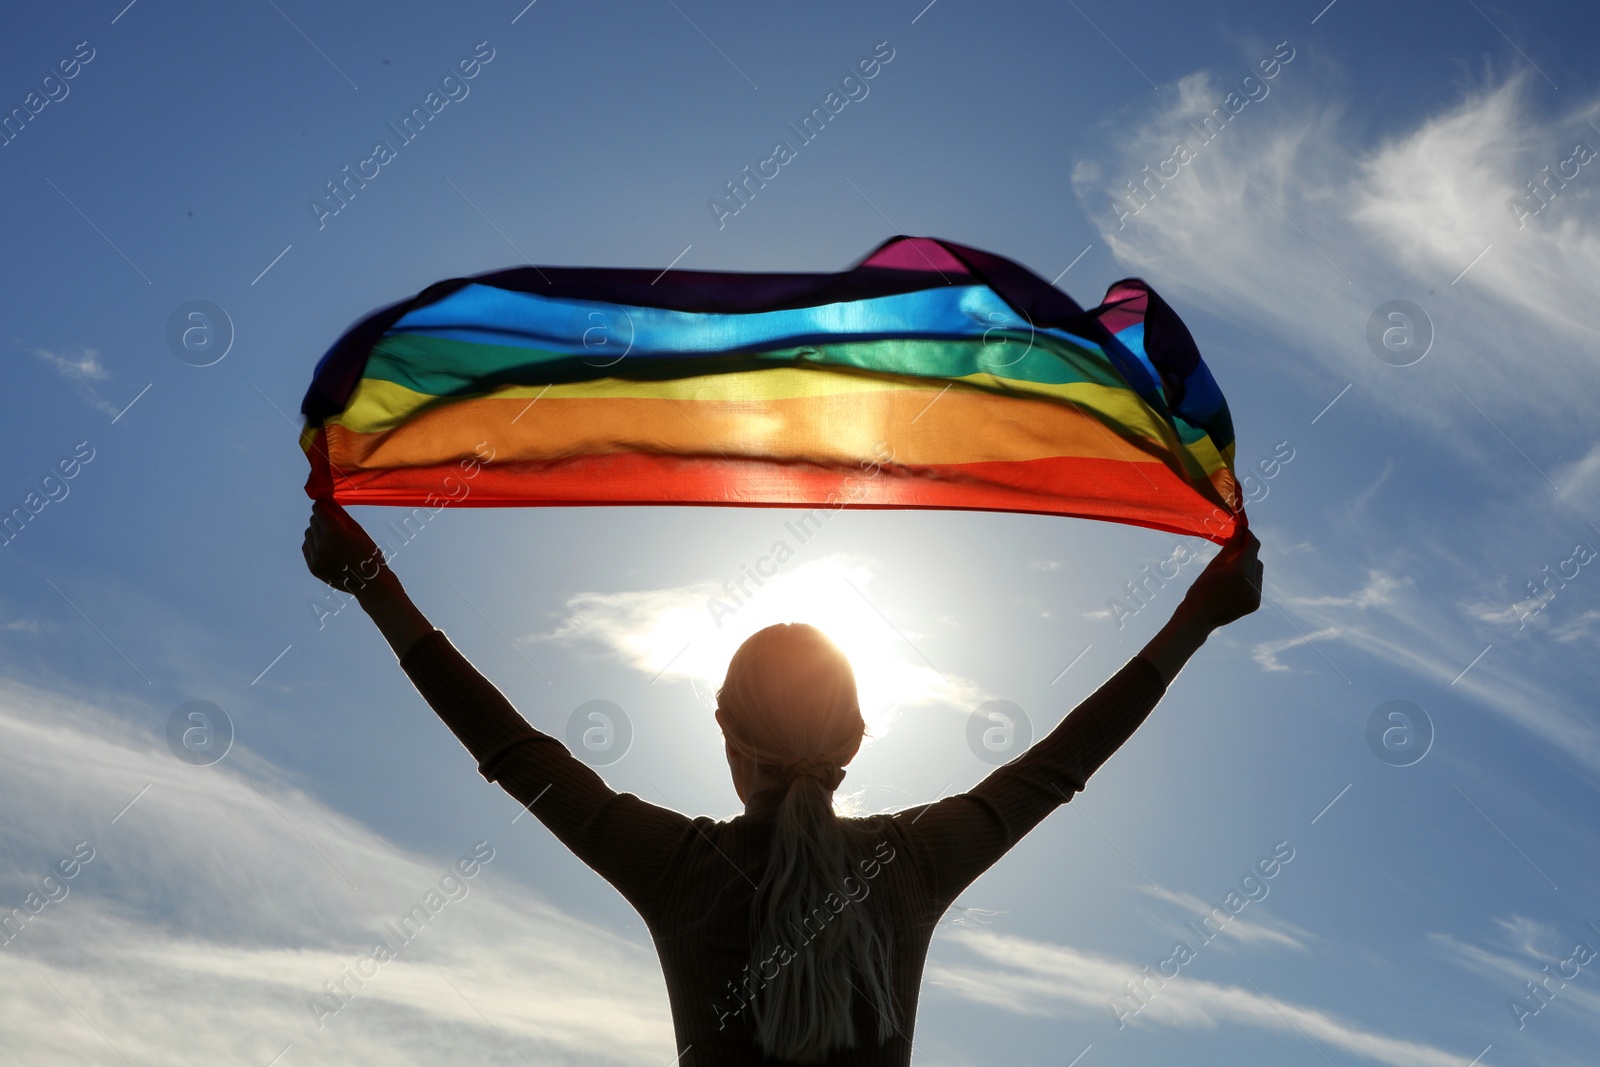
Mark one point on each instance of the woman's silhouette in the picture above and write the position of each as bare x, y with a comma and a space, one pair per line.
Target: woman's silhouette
787, 934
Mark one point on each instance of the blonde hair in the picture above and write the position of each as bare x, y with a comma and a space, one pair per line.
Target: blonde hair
789, 702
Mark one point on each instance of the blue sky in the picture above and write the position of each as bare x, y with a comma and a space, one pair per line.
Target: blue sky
1379, 163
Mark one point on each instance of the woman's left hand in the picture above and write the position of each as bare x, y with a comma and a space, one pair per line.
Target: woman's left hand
338, 551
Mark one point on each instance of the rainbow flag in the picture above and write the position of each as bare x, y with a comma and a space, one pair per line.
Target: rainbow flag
931, 375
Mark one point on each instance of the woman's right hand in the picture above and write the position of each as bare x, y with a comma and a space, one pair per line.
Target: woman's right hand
1230, 586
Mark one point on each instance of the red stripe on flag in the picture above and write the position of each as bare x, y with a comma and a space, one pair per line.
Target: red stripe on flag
1142, 494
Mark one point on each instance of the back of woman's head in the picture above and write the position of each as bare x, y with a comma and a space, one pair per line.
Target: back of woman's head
790, 693
789, 702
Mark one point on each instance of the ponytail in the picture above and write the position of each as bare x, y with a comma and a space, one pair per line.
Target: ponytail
811, 907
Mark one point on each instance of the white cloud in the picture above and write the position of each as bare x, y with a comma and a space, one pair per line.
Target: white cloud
692, 631
84, 367
1362, 499
1585, 627
1580, 481
1266, 653
205, 921
1255, 927
1027, 977
1294, 226
1397, 221
1525, 950
1379, 590
82, 370
1430, 637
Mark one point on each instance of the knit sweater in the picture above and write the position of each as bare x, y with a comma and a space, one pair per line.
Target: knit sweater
692, 880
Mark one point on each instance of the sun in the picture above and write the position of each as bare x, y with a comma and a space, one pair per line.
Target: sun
834, 595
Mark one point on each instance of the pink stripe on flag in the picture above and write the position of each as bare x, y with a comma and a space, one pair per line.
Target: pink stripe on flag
1130, 313
917, 253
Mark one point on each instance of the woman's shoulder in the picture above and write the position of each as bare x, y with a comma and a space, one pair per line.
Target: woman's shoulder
880, 831
877, 820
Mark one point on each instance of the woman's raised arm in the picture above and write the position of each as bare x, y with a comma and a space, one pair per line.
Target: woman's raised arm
627, 841
341, 553
1228, 589
956, 839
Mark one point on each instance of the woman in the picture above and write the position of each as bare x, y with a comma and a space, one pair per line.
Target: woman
787, 934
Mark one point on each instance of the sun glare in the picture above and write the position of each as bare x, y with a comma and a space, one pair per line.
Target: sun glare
833, 594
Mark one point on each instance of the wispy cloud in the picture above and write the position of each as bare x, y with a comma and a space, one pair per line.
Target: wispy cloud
1294, 225
1379, 590
1265, 225
84, 367
1518, 950
1028, 977
83, 371
1266, 653
1437, 638
228, 890
1580, 480
1259, 928
1581, 629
